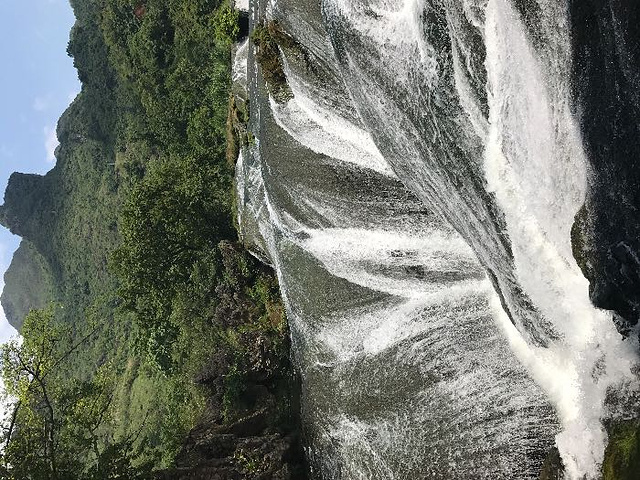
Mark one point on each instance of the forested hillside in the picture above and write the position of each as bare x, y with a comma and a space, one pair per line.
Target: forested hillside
149, 319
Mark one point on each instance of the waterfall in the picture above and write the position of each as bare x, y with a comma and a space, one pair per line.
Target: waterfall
416, 196
536, 167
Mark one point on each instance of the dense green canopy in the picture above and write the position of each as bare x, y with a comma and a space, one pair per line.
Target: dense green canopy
129, 228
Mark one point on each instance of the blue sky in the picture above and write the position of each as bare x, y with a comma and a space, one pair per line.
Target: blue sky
37, 83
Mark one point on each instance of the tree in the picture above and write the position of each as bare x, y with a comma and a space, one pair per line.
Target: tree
174, 217
226, 25
26, 367
55, 430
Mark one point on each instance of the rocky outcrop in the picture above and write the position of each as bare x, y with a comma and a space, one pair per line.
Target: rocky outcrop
254, 438
23, 204
251, 426
552, 468
28, 284
244, 449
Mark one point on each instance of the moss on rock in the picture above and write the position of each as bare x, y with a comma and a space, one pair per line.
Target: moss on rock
622, 456
269, 38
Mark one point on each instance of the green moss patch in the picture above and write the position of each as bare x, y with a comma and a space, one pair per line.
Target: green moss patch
622, 456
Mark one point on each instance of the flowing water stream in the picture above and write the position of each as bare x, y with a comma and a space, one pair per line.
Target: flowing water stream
416, 197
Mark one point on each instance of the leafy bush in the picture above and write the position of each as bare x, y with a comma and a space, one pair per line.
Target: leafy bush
226, 24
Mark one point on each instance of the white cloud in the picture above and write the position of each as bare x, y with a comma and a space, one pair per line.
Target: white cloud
40, 104
50, 143
72, 95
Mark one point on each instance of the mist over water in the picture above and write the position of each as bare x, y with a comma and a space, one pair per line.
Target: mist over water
416, 197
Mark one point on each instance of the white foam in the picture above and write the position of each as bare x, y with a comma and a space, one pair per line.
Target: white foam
398, 27
536, 167
323, 131
368, 257
539, 211
239, 69
242, 5
356, 435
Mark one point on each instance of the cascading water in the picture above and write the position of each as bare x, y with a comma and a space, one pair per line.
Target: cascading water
416, 197
536, 167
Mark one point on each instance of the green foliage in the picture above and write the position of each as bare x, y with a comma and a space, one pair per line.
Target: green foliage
116, 462
178, 210
234, 386
226, 24
622, 457
176, 68
28, 284
173, 65
57, 426
141, 184
176, 76
173, 217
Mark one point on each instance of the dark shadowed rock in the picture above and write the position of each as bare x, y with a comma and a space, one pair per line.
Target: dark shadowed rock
606, 81
552, 468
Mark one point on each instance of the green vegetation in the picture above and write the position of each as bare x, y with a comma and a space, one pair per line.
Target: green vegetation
58, 427
268, 39
28, 284
226, 23
170, 226
622, 457
162, 321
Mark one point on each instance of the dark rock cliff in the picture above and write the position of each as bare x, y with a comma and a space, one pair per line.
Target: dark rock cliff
606, 44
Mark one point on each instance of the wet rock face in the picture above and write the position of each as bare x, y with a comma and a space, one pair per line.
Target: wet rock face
552, 468
606, 71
